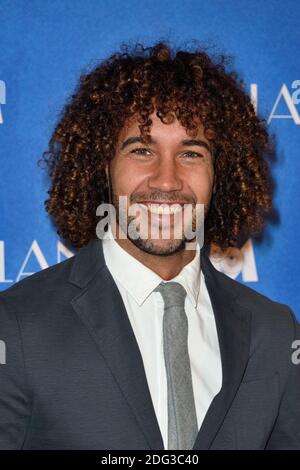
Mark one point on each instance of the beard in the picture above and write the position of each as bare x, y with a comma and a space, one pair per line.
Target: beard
169, 247
157, 246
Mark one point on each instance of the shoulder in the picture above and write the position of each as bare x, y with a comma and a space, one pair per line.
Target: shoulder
48, 293
33, 293
273, 331
270, 319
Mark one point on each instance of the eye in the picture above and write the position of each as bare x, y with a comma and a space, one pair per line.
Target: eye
141, 151
193, 154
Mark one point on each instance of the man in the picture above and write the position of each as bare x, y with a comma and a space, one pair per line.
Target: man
138, 342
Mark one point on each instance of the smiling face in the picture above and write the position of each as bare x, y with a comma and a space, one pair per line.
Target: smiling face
174, 168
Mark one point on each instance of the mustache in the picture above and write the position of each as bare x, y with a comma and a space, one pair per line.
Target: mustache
162, 197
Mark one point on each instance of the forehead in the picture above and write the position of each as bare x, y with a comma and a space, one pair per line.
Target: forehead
159, 129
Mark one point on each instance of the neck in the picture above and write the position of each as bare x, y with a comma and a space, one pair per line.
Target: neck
167, 267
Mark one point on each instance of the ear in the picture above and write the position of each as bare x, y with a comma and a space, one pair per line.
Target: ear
107, 171
214, 186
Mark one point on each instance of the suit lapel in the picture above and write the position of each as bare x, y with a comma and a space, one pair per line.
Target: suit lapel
101, 309
233, 322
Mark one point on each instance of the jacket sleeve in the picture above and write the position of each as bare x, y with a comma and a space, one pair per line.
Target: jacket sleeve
286, 431
14, 395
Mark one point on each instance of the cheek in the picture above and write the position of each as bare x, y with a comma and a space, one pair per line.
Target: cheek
126, 178
201, 183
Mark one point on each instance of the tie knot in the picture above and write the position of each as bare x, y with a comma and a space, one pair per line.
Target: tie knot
173, 294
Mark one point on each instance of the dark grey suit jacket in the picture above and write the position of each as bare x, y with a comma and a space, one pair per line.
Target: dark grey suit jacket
74, 375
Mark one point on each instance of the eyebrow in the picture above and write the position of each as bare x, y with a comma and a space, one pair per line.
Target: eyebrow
187, 142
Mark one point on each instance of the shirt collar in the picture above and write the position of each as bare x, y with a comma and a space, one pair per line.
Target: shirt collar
140, 281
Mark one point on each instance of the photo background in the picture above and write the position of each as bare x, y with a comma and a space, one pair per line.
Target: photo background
46, 45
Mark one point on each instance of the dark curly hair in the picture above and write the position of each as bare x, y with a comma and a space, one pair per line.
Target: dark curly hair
187, 84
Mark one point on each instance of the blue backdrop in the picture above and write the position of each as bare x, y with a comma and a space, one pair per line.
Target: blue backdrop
45, 45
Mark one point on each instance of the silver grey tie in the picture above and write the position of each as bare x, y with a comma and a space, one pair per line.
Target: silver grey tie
182, 418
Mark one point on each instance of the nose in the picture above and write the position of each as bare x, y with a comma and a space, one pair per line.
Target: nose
165, 176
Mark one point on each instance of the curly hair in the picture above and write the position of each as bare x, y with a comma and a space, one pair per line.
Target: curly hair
191, 85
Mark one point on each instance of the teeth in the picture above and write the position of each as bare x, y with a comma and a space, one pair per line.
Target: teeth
164, 209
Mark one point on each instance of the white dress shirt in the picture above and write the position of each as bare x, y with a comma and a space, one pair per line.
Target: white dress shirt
145, 309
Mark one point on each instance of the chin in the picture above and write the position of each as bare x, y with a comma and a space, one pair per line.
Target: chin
159, 247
